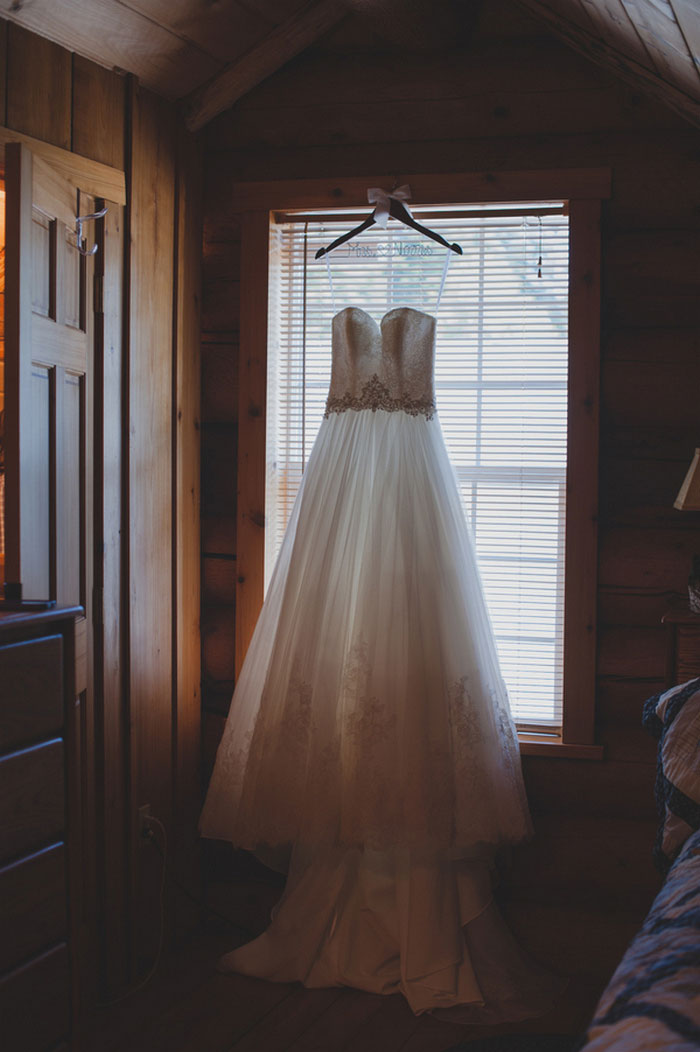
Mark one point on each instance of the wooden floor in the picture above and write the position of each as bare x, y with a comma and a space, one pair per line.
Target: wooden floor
189, 1007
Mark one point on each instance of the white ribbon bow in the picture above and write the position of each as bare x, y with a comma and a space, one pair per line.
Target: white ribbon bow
381, 198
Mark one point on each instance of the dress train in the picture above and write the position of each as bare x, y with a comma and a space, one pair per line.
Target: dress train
396, 922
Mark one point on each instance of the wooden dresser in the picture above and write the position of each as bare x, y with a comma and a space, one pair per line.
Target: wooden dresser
39, 828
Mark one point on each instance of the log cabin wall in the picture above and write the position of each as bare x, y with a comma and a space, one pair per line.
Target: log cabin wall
509, 97
141, 732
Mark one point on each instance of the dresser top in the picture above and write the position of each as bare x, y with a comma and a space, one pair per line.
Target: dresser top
11, 619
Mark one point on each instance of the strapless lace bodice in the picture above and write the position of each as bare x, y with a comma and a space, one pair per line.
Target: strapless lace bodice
386, 366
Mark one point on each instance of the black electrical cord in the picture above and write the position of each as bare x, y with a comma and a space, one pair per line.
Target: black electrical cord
149, 835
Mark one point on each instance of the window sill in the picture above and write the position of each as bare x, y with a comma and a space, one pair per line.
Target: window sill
546, 745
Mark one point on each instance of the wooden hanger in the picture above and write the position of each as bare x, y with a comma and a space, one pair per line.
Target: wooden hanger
398, 210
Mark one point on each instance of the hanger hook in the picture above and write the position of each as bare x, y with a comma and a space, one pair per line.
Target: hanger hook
79, 220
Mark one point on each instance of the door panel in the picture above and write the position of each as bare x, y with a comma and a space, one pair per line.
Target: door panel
72, 280
70, 495
37, 484
43, 261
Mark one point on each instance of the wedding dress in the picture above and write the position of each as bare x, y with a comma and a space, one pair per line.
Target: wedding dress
370, 730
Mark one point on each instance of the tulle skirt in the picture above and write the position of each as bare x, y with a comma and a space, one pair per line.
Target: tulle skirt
370, 734
370, 710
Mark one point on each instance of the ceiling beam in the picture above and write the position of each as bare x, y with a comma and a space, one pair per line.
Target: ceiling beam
285, 42
604, 54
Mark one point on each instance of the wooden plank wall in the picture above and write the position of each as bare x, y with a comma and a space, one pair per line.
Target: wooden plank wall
186, 375
146, 507
510, 97
150, 522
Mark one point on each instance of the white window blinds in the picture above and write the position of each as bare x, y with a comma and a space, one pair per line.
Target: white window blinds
501, 389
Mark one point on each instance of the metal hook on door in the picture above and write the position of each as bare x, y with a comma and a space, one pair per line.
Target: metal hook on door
79, 220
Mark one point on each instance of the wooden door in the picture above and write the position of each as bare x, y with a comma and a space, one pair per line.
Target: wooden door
48, 352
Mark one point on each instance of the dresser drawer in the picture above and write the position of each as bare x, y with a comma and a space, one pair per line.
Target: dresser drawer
33, 915
35, 1003
32, 810
31, 691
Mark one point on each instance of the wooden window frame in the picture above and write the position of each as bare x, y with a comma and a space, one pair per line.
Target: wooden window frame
583, 190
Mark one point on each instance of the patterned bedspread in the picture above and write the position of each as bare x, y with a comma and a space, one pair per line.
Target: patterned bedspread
673, 718
652, 1001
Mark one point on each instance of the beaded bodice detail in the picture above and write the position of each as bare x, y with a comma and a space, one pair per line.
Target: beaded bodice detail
386, 366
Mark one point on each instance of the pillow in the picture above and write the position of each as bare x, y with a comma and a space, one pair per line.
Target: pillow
673, 717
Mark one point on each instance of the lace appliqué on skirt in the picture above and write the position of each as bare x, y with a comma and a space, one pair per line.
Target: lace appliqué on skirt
301, 777
368, 736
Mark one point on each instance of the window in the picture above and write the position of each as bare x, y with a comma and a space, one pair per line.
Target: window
263, 330
501, 380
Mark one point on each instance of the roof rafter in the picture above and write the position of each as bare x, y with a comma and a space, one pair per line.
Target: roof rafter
290, 38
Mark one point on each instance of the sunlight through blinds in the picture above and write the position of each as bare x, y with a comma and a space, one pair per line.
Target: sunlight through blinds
501, 390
